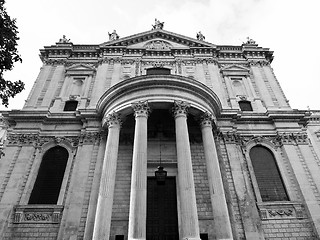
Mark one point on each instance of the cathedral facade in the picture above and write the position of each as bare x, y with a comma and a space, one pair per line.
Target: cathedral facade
158, 136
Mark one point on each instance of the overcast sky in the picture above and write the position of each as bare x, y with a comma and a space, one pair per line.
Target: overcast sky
290, 28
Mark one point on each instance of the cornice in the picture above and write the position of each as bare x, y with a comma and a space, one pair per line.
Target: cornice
45, 116
121, 47
237, 116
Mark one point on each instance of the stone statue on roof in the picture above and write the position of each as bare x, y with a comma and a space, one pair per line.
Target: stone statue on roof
113, 36
157, 24
200, 36
250, 41
64, 39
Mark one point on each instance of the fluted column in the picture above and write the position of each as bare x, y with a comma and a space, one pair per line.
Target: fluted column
188, 206
218, 200
105, 200
138, 194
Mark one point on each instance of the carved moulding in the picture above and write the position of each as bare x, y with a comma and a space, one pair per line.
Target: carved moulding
38, 141
90, 137
286, 210
37, 214
259, 63
276, 140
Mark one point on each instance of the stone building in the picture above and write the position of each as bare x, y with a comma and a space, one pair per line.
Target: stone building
80, 158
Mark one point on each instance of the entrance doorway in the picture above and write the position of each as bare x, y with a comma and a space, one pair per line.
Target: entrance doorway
162, 215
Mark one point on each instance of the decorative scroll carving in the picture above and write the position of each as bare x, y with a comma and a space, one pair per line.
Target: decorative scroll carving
38, 141
137, 68
277, 140
180, 107
22, 139
280, 212
178, 63
285, 210
90, 137
35, 214
141, 108
73, 140
294, 138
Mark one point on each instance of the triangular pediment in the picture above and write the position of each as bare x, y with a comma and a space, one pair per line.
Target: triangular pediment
158, 39
80, 69
235, 69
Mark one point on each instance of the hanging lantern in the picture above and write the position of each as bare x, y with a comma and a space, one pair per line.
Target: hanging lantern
160, 175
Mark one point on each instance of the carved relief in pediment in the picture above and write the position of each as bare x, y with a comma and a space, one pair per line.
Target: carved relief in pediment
158, 45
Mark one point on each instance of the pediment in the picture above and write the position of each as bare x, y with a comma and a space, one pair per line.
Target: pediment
160, 39
235, 70
80, 69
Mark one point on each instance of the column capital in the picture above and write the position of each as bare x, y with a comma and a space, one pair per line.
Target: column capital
180, 108
141, 109
206, 120
112, 120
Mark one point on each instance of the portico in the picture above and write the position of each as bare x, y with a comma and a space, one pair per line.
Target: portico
141, 103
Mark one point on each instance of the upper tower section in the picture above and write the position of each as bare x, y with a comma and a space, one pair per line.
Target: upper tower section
75, 76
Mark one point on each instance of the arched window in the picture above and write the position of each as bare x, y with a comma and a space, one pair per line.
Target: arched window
245, 105
158, 71
48, 183
266, 171
70, 105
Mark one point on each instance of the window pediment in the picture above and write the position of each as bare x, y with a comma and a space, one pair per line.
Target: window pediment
80, 69
235, 70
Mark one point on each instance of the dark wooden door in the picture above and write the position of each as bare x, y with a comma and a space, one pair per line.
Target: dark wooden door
162, 216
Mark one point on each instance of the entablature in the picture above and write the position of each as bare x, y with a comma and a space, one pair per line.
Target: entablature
158, 43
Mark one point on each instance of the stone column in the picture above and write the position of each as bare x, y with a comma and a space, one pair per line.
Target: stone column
218, 200
105, 199
138, 194
188, 206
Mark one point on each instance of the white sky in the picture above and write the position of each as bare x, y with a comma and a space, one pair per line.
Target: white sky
290, 28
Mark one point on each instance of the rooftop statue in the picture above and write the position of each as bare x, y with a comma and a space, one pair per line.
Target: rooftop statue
157, 24
64, 39
200, 36
113, 36
250, 41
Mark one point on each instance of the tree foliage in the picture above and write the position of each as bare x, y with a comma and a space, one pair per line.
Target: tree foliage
8, 55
